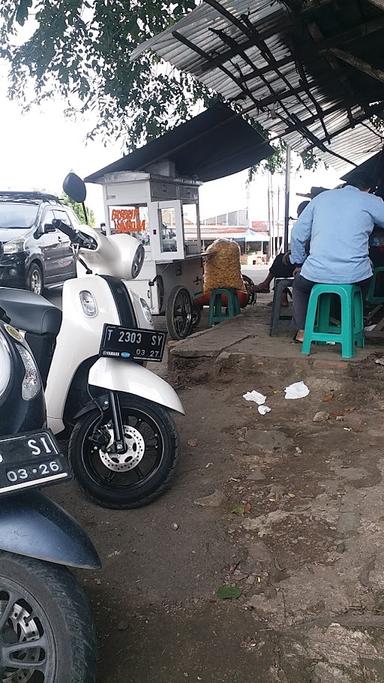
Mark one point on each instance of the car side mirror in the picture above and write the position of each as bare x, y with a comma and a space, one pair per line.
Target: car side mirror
48, 227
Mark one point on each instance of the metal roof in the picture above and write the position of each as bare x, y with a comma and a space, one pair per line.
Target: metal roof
307, 70
374, 167
213, 144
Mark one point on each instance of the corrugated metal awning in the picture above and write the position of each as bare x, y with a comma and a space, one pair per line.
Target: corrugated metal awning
212, 145
280, 68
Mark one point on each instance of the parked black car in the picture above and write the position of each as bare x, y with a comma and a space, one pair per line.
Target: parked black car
33, 254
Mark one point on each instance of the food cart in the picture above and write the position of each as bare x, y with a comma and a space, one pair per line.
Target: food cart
163, 212
153, 194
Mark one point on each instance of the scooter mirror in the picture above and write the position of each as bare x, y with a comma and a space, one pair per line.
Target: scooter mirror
75, 188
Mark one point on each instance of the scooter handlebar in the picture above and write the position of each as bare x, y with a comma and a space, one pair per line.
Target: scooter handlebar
66, 229
79, 238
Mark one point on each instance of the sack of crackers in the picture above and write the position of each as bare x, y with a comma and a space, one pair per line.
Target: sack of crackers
222, 266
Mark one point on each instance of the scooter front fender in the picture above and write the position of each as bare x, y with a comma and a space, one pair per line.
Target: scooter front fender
130, 378
34, 526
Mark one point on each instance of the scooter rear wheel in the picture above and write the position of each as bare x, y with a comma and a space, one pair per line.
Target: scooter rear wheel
140, 475
46, 631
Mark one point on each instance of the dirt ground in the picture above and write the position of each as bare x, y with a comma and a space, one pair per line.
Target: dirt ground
285, 511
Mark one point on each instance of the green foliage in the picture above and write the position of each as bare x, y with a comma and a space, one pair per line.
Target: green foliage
310, 160
78, 210
226, 592
81, 49
307, 161
378, 122
22, 11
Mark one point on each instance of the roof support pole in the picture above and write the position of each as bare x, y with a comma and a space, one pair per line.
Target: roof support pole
287, 196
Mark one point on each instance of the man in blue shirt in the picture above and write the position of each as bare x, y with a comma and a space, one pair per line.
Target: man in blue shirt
338, 224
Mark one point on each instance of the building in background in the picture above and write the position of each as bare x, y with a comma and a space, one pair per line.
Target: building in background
258, 240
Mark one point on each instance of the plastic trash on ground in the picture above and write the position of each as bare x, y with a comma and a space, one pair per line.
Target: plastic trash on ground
256, 397
296, 390
263, 410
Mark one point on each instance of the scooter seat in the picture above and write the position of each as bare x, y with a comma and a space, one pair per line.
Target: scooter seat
30, 312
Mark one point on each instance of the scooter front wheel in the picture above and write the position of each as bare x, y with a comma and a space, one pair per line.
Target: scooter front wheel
46, 631
136, 477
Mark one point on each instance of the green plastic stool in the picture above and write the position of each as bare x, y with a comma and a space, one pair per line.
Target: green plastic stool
318, 327
216, 314
372, 297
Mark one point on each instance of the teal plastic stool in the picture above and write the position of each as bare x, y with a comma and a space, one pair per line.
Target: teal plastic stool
318, 327
216, 314
372, 297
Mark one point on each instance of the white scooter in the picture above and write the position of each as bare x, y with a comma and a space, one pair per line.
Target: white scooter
123, 443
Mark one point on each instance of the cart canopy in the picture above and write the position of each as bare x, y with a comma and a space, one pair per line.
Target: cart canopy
212, 145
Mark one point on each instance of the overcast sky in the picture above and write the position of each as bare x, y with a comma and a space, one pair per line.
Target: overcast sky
40, 147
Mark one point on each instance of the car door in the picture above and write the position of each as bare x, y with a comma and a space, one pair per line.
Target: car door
67, 258
47, 244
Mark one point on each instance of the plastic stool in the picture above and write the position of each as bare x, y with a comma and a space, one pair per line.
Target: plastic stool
372, 297
216, 314
318, 327
280, 285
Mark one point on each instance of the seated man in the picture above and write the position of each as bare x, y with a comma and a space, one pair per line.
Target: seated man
281, 267
338, 224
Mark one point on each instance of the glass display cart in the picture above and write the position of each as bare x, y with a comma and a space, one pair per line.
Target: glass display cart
162, 211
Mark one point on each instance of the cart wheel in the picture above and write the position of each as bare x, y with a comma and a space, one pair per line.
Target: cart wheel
196, 315
250, 291
179, 313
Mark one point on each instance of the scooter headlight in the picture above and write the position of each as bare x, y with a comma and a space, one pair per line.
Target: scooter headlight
5, 364
31, 383
138, 261
88, 304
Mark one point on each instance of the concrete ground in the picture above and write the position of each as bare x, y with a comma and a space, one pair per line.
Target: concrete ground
282, 512
263, 562
244, 343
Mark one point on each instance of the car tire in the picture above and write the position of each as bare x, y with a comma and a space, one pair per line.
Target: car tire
35, 279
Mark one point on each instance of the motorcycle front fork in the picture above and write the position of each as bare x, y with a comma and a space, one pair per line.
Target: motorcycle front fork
118, 428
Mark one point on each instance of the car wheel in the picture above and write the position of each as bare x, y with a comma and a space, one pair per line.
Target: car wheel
35, 279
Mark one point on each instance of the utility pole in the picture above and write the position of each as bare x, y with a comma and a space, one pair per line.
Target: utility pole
273, 216
287, 196
270, 255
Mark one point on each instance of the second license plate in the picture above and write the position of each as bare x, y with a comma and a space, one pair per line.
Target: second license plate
31, 459
132, 344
